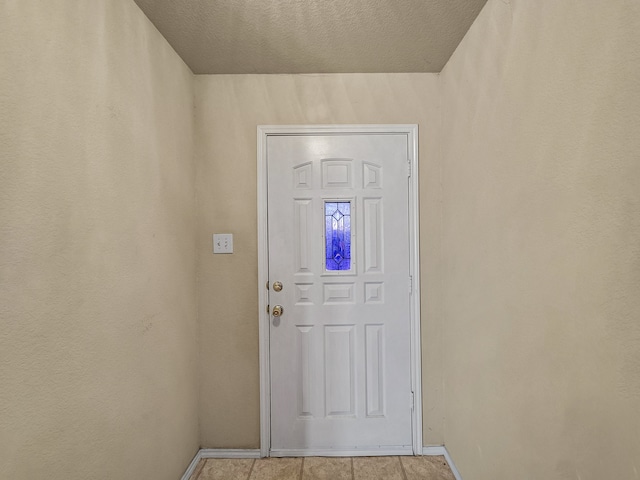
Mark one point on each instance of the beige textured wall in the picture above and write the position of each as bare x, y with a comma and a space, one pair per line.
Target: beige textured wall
541, 242
229, 108
97, 245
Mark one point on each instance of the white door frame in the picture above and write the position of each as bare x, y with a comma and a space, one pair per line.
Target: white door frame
411, 131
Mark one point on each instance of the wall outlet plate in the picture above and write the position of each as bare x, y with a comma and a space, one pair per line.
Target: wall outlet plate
222, 243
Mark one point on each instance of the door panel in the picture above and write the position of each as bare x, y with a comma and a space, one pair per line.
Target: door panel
338, 241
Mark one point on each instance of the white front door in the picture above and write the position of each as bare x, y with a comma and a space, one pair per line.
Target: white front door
338, 239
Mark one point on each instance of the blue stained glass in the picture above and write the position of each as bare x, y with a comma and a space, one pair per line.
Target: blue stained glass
337, 235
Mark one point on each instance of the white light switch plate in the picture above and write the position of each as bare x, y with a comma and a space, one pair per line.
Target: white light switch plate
222, 243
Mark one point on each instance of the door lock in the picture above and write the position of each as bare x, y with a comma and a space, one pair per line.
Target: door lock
277, 286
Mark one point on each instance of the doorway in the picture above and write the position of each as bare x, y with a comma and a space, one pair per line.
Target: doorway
339, 290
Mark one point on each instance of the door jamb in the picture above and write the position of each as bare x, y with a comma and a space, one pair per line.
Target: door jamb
264, 131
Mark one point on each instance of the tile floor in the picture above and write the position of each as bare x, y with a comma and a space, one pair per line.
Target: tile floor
324, 468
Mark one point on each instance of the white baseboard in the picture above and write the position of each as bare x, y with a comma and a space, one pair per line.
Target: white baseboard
229, 453
218, 453
192, 466
452, 465
433, 451
442, 451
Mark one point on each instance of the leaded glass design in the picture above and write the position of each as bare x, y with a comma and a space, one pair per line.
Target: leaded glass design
337, 235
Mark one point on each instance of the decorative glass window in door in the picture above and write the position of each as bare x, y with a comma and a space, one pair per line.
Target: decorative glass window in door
337, 235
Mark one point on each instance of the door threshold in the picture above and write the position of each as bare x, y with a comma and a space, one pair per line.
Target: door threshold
342, 452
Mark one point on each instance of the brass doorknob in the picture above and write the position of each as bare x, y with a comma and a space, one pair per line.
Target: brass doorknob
277, 286
277, 310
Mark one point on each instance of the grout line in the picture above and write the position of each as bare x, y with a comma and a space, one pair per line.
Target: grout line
404, 473
251, 469
353, 475
301, 469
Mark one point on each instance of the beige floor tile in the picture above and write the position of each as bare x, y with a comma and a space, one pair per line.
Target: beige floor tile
334, 468
377, 468
226, 469
427, 468
276, 469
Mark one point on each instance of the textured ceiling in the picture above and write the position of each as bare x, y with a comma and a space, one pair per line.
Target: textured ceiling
313, 36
